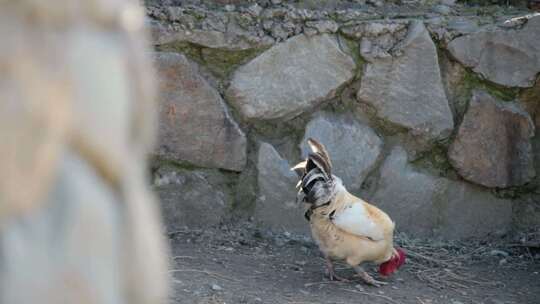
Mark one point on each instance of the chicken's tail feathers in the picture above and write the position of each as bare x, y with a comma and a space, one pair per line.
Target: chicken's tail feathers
318, 148
317, 185
317, 161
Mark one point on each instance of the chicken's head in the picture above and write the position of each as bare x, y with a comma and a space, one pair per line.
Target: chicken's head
388, 267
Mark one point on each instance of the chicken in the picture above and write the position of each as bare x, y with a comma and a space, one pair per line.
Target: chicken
344, 226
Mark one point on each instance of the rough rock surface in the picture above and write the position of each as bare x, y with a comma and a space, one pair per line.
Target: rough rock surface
463, 205
353, 147
506, 57
528, 213
191, 199
405, 88
274, 53
425, 205
407, 195
323, 26
456, 88
164, 34
276, 205
195, 125
492, 147
290, 78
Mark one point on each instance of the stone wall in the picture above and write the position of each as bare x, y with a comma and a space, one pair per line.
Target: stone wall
428, 110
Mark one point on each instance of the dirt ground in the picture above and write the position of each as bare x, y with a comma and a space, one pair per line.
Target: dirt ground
240, 265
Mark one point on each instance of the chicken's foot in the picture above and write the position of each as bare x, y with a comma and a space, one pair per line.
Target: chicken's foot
331, 273
367, 278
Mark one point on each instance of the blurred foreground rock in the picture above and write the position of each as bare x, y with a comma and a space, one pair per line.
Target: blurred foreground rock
77, 222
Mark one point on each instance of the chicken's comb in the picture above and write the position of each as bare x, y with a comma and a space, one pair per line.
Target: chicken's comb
319, 148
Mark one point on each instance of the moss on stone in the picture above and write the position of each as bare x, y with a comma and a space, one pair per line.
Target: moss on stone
190, 50
473, 81
352, 48
515, 192
223, 62
220, 62
436, 160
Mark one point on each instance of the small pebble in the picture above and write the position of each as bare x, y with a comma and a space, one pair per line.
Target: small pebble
216, 287
503, 262
359, 287
499, 252
376, 3
448, 2
308, 31
230, 8
255, 9
442, 9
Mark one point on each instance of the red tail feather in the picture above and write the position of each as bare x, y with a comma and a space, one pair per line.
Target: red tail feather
388, 267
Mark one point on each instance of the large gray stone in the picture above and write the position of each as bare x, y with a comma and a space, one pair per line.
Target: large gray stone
506, 57
276, 205
407, 195
353, 147
492, 147
406, 88
470, 211
425, 205
290, 78
193, 199
195, 125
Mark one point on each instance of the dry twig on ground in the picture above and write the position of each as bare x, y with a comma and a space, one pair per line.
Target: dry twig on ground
443, 264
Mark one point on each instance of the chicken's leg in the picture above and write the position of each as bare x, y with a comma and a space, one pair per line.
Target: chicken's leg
367, 278
331, 273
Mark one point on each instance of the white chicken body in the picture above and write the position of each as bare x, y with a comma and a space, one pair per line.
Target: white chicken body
344, 226
346, 230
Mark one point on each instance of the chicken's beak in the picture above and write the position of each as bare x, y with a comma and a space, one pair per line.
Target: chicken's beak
300, 169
